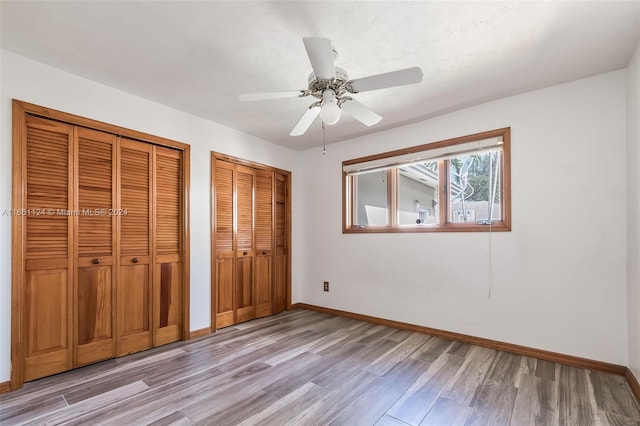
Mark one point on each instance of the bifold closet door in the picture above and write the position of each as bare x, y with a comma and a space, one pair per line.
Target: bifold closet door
244, 270
167, 283
250, 241
235, 256
224, 244
94, 318
98, 242
264, 243
48, 280
281, 243
134, 305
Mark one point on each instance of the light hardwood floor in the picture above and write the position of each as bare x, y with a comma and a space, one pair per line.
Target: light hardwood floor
309, 368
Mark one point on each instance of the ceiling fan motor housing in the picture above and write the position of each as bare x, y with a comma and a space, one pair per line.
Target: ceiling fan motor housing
338, 84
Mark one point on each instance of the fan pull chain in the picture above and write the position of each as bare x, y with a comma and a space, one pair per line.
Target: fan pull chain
324, 140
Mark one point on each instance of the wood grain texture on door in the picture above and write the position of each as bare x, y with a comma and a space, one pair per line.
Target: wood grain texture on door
94, 319
223, 291
47, 313
281, 275
167, 296
264, 243
244, 281
134, 284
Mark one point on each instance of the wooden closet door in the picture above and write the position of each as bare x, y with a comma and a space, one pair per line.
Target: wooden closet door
167, 285
244, 283
48, 279
223, 288
94, 319
264, 243
281, 243
135, 235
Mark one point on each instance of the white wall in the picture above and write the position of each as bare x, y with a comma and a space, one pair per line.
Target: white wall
33, 82
633, 209
557, 281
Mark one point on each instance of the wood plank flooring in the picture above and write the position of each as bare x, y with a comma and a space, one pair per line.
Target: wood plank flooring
309, 368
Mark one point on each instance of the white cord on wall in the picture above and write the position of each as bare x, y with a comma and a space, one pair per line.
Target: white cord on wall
490, 263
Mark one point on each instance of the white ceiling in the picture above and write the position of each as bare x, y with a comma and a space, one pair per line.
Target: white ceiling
199, 56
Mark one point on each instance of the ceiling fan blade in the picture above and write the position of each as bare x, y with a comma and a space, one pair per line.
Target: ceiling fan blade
360, 112
388, 79
249, 97
306, 120
321, 56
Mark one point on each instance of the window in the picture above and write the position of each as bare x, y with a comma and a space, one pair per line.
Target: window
460, 184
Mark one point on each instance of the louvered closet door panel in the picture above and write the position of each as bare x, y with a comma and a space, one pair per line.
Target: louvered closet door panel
167, 298
244, 283
134, 285
94, 321
223, 183
264, 242
281, 241
48, 248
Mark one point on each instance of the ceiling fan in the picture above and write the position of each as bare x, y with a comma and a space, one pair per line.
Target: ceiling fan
331, 86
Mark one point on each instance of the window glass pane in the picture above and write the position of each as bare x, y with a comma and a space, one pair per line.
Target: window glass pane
418, 194
474, 188
370, 192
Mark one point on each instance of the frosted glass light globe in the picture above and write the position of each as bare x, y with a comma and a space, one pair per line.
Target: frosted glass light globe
330, 112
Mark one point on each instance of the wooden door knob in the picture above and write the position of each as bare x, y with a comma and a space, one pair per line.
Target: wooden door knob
264, 252
244, 253
135, 260
96, 261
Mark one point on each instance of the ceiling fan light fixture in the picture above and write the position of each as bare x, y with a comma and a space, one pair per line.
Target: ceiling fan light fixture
330, 112
330, 85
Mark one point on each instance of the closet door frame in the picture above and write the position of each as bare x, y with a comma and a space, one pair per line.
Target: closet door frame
242, 162
20, 110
